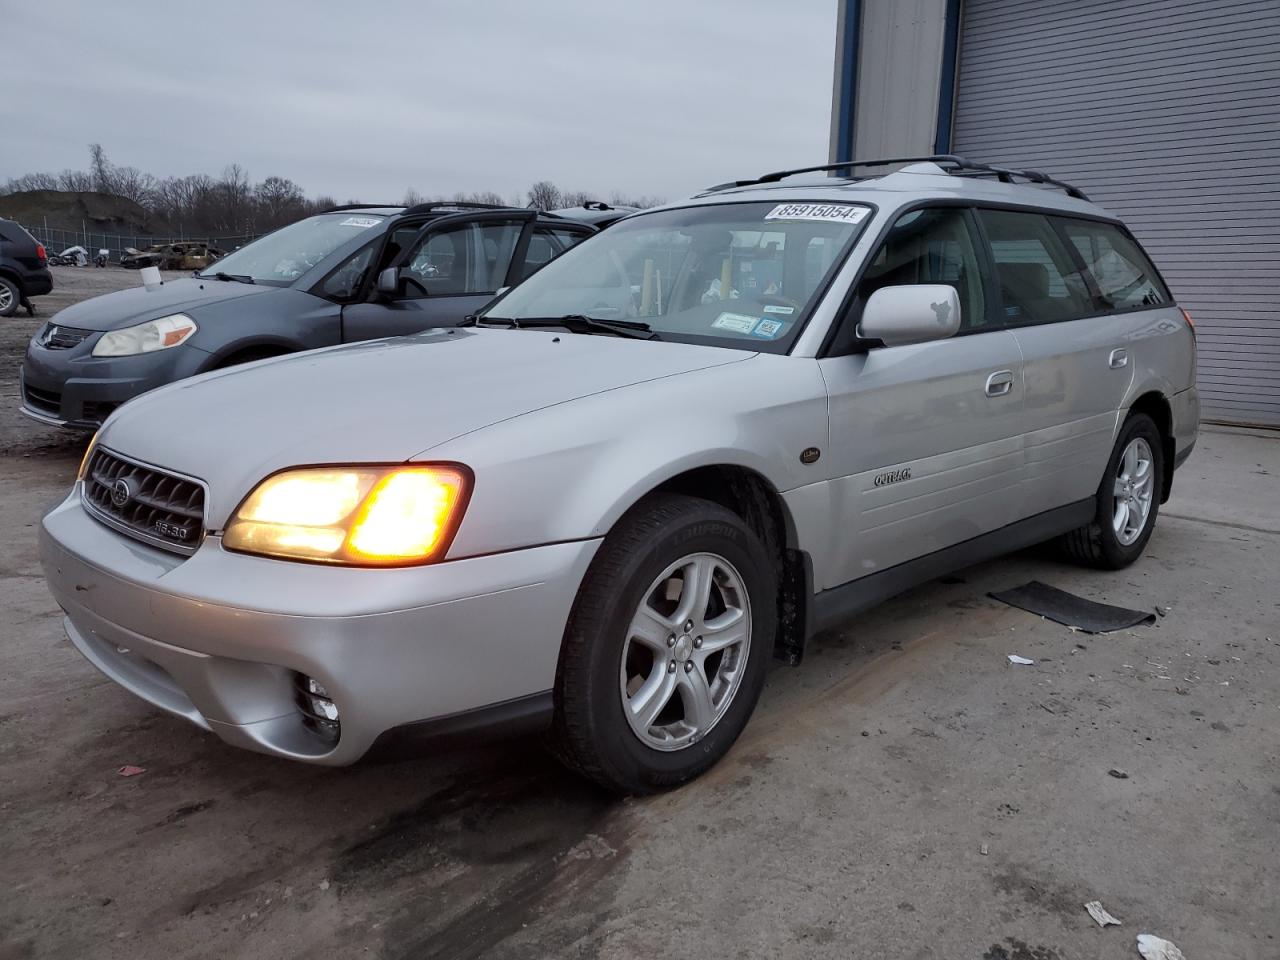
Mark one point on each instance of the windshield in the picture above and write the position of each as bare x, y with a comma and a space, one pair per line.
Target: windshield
742, 275
285, 255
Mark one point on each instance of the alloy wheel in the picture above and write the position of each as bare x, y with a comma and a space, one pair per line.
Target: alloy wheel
685, 652
1134, 490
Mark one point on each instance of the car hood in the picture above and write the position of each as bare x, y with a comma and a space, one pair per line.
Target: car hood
384, 401
138, 304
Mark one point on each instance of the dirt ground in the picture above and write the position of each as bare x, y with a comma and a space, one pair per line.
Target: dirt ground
905, 793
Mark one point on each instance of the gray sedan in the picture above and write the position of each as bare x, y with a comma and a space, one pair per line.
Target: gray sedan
355, 273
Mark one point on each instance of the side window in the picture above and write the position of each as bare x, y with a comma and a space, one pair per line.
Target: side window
933, 245
1039, 279
542, 249
465, 258
1121, 272
546, 244
344, 283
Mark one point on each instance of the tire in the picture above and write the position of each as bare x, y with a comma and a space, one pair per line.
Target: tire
591, 731
1099, 543
10, 297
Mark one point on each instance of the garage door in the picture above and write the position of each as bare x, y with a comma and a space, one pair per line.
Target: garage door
1167, 113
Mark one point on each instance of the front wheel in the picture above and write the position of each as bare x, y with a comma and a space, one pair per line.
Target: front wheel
667, 646
1128, 500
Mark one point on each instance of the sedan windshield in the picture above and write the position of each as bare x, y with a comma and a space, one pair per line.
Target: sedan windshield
286, 254
741, 275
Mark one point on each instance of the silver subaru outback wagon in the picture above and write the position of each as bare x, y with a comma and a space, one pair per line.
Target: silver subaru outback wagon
674, 453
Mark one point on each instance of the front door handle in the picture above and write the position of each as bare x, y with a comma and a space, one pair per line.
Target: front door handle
1119, 358
1000, 383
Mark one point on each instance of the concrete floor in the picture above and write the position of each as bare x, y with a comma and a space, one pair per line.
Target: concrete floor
849, 821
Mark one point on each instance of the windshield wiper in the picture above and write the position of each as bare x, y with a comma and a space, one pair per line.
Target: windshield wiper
574, 323
236, 277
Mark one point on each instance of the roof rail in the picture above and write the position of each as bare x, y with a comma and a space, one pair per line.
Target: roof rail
950, 163
457, 204
360, 206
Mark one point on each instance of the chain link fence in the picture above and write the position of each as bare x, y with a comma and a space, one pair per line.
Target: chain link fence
56, 240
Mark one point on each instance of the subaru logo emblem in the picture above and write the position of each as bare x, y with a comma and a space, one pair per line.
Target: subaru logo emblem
121, 492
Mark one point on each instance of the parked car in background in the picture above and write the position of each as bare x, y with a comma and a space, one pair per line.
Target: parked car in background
186, 255
24, 269
597, 511
355, 273
596, 212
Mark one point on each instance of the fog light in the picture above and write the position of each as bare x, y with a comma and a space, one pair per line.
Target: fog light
318, 710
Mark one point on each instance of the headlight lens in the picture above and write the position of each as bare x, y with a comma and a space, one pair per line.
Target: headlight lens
146, 337
368, 516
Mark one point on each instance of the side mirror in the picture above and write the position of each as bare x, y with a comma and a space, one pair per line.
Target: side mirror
911, 314
389, 282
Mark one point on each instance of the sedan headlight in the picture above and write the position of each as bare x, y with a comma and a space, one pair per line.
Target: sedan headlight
365, 516
158, 334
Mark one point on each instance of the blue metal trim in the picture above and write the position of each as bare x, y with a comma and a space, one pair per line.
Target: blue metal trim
947, 83
848, 79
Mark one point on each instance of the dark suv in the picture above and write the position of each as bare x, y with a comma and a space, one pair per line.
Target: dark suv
24, 269
351, 273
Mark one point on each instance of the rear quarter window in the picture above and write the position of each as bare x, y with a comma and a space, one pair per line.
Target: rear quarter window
1122, 272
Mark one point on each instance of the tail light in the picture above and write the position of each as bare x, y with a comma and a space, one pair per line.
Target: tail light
1187, 317
40, 252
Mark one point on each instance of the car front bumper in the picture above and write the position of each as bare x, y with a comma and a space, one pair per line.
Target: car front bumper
220, 638
72, 388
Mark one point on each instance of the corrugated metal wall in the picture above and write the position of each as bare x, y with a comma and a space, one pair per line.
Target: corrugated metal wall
1168, 113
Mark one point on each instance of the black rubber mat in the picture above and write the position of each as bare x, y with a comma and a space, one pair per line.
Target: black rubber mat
1070, 610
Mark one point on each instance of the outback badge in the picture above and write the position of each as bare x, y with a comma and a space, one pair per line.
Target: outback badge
893, 476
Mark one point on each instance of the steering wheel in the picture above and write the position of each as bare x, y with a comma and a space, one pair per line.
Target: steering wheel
410, 280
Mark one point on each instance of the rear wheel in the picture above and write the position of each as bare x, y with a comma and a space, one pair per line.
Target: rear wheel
1128, 500
667, 647
10, 297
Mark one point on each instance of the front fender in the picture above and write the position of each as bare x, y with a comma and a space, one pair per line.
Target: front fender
568, 472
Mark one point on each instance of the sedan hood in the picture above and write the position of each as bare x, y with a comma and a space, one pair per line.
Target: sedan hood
384, 401
124, 308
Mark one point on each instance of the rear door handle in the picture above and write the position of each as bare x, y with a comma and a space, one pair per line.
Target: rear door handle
1119, 358
1000, 383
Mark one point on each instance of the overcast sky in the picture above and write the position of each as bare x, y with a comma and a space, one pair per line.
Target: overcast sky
366, 99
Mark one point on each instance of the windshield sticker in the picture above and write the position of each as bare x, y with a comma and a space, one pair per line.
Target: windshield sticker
773, 308
737, 322
834, 212
361, 222
768, 329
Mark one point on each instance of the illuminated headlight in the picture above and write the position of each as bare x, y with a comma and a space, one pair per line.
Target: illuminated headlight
362, 516
146, 337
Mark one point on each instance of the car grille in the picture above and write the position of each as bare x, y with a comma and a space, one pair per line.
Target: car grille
46, 401
151, 505
56, 337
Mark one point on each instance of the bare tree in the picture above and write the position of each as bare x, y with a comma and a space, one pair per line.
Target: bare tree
544, 195
279, 201
100, 167
412, 198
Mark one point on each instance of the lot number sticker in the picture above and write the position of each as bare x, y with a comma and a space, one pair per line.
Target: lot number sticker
361, 222
833, 212
737, 322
